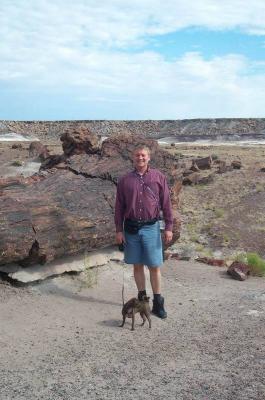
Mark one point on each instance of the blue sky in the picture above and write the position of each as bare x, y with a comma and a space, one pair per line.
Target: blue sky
146, 59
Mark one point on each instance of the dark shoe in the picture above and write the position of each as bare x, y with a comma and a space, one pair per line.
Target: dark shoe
158, 308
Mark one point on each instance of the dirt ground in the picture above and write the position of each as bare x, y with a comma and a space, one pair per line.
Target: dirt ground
62, 340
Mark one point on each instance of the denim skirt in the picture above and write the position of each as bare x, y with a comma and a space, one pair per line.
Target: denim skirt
144, 247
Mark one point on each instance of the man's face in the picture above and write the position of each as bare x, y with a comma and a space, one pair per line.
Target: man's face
141, 158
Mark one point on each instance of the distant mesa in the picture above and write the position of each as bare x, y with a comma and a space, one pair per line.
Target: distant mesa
221, 129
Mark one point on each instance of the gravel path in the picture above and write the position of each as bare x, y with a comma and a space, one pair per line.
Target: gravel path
61, 340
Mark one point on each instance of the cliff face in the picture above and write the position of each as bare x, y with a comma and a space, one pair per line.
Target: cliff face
226, 128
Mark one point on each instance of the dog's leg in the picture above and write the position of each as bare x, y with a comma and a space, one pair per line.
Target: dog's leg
149, 320
143, 317
123, 321
133, 317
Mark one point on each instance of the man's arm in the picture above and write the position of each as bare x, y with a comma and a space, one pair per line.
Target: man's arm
166, 207
119, 212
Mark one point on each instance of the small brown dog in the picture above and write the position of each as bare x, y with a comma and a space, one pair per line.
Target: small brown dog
134, 306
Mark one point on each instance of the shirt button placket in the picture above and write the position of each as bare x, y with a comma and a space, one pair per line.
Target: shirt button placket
140, 200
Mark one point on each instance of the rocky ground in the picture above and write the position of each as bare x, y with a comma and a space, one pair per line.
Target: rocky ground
226, 216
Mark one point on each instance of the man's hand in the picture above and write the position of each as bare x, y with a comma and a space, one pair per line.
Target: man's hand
168, 236
120, 237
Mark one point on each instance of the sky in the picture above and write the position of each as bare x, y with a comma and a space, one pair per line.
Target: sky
140, 59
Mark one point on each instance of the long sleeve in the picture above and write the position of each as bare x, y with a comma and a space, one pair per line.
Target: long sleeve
166, 206
119, 207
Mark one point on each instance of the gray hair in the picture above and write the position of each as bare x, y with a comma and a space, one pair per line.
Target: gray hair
142, 147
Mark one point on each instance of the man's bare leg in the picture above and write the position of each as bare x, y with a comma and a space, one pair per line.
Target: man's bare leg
155, 279
139, 276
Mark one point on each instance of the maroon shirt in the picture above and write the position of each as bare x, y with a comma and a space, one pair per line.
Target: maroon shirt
141, 197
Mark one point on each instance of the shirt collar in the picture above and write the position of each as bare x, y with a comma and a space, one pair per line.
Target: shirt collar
137, 173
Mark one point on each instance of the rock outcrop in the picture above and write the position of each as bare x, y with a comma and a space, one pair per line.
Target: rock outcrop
69, 208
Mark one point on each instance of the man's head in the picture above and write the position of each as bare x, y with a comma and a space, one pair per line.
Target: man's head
141, 158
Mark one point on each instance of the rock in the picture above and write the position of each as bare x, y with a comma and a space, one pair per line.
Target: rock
52, 161
167, 255
202, 163
36, 149
223, 167
196, 178
204, 180
239, 271
79, 140
66, 211
17, 146
67, 264
59, 215
176, 256
187, 172
211, 261
236, 164
194, 168
191, 179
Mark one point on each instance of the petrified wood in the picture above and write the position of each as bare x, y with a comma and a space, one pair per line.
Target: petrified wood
202, 163
238, 271
69, 208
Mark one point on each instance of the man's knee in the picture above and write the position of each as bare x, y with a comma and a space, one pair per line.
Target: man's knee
154, 270
138, 267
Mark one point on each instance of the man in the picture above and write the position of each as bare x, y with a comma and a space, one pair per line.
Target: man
141, 194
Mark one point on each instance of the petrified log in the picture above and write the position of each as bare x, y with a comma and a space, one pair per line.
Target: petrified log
202, 163
37, 149
79, 140
62, 214
66, 211
239, 271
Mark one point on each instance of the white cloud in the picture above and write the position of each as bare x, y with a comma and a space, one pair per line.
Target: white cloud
84, 48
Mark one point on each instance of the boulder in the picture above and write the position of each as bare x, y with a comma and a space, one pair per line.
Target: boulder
78, 141
238, 271
38, 150
69, 208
